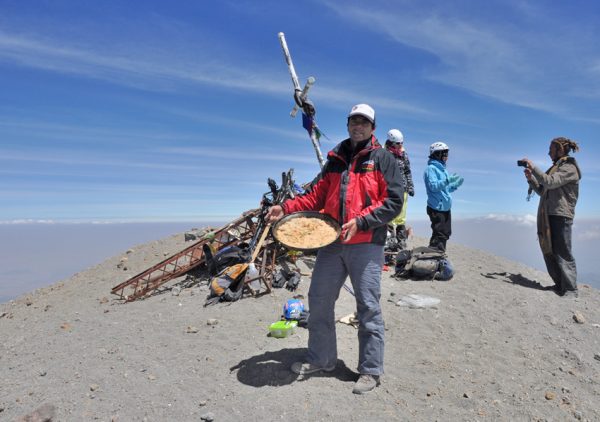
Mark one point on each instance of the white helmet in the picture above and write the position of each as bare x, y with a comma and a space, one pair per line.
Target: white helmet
395, 136
437, 146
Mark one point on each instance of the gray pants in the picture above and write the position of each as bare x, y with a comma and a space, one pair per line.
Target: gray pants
561, 263
363, 263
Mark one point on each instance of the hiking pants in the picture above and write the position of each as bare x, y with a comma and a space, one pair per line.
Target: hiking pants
363, 263
400, 219
441, 228
561, 263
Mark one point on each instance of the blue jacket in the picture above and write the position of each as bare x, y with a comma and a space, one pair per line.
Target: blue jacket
437, 184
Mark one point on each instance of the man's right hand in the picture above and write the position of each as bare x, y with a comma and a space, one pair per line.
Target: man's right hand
274, 213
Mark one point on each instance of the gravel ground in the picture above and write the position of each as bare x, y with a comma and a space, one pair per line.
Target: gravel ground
496, 347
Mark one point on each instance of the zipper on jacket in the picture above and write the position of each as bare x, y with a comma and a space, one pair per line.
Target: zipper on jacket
343, 191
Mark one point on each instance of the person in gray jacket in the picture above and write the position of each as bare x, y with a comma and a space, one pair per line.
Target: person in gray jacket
558, 189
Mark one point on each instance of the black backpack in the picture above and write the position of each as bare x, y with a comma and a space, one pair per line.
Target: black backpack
228, 285
424, 263
226, 257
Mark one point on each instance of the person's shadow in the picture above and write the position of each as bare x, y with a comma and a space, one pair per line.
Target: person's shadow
273, 369
517, 279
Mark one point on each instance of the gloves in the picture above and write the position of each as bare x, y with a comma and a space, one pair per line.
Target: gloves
279, 279
303, 320
411, 192
456, 184
453, 178
293, 281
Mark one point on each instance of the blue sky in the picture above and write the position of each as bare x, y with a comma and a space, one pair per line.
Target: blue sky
179, 111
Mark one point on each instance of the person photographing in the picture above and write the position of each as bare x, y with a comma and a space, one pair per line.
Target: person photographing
558, 189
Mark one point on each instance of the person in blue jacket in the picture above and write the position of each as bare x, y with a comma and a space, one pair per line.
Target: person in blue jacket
439, 184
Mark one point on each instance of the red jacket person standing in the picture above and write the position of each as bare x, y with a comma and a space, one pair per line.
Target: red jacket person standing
359, 188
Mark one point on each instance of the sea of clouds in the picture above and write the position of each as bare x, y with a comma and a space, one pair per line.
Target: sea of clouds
37, 254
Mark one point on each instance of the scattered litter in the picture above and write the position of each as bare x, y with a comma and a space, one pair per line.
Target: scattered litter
283, 328
578, 318
350, 319
415, 301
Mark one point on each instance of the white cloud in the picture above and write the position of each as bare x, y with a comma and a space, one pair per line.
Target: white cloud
239, 155
516, 57
145, 73
26, 221
590, 233
524, 220
163, 71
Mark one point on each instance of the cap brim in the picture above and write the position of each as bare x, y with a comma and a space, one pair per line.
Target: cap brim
362, 115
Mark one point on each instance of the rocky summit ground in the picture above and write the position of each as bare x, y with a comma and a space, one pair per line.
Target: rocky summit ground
496, 347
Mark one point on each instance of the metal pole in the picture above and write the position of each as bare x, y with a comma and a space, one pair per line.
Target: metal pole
300, 95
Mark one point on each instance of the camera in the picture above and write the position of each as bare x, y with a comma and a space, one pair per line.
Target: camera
522, 163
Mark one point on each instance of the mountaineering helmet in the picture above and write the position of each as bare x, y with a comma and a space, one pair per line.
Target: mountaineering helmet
363, 110
395, 136
437, 146
292, 309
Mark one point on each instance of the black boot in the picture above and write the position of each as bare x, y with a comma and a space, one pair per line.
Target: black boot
401, 235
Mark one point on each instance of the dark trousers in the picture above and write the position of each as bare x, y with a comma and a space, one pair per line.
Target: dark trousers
441, 228
561, 263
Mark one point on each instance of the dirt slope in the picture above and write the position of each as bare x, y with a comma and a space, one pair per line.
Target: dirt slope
497, 347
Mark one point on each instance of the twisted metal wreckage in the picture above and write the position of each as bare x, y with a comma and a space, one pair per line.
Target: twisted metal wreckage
251, 227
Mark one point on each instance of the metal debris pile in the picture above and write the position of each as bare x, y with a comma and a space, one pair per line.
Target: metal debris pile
251, 229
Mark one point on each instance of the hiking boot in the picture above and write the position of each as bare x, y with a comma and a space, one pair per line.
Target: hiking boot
305, 368
365, 383
401, 236
554, 288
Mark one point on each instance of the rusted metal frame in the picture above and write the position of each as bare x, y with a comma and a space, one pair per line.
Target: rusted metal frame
167, 270
265, 271
194, 256
266, 268
270, 265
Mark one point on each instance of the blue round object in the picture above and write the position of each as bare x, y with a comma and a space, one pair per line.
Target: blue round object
446, 270
292, 309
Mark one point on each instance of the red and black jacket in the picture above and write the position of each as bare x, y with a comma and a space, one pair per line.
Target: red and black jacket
364, 184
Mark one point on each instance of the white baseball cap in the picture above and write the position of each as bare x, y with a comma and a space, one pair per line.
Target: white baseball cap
364, 110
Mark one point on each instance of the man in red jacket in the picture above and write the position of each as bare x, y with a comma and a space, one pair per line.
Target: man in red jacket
359, 188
